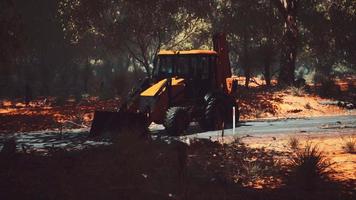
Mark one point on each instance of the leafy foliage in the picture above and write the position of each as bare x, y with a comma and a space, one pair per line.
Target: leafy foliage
65, 47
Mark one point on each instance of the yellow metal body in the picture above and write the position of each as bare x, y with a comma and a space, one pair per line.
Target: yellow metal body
158, 94
158, 88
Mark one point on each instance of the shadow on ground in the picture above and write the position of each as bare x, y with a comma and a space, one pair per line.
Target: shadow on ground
135, 167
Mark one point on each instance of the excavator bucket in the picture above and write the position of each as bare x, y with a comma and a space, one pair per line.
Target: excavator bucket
107, 123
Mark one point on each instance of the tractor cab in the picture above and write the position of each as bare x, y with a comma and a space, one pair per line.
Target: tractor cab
196, 67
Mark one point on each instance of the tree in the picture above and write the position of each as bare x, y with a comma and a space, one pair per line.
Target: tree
11, 37
328, 35
238, 18
288, 10
139, 28
270, 32
254, 30
47, 54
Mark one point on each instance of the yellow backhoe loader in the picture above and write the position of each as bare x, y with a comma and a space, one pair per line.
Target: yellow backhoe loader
186, 86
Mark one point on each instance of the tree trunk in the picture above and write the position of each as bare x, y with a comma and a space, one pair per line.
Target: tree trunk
86, 76
288, 9
245, 60
248, 77
267, 73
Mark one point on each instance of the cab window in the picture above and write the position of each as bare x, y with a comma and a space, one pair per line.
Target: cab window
165, 65
182, 65
200, 66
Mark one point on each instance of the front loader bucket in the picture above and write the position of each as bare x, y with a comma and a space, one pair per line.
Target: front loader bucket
107, 123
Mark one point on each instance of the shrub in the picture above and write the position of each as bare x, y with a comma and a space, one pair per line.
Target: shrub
328, 89
308, 106
296, 91
253, 170
60, 100
349, 145
293, 143
237, 140
310, 166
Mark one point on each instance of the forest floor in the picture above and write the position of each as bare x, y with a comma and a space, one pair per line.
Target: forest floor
137, 168
256, 103
47, 114
257, 167
259, 102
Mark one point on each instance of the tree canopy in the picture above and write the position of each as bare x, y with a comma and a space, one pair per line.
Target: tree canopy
81, 46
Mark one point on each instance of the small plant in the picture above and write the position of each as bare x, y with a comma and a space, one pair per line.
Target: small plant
310, 166
253, 170
308, 106
349, 145
9, 147
293, 143
259, 113
237, 140
297, 91
60, 100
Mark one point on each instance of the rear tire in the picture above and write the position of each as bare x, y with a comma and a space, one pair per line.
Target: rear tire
218, 110
176, 121
212, 117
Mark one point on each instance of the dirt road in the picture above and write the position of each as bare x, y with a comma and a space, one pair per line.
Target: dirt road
77, 138
335, 124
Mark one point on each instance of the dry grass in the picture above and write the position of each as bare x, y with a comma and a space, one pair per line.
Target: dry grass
308, 106
349, 144
309, 167
275, 102
331, 144
293, 143
296, 91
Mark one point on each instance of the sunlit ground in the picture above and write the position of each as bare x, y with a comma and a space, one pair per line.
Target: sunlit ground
332, 145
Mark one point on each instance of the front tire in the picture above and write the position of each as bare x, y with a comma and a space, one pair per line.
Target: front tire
176, 121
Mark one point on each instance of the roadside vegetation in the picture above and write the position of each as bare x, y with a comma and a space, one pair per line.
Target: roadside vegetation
135, 167
293, 143
349, 144
310, 167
